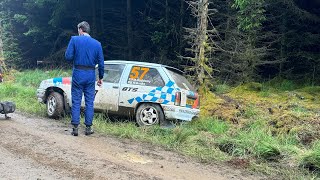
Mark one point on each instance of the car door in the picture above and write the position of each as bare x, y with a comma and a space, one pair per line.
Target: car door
107, 96
138, 82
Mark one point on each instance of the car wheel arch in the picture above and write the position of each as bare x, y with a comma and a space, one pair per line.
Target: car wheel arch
140, 103
51, 89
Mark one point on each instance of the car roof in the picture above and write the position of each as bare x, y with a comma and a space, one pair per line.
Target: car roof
143, 63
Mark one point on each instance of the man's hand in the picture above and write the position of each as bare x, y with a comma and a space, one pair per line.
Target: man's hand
99, 83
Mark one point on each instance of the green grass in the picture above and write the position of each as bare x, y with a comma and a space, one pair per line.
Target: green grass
24, 97
221, 88
282, 84
211, 125
253, 140
311, 160
34, 77
251, 111
23, 89
207, 139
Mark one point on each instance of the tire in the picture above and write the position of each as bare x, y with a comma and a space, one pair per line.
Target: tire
149, 114
55, 105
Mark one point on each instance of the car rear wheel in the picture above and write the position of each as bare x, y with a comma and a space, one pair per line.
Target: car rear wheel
55, 105
149, 114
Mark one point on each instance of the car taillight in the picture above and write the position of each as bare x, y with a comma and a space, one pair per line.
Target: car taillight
196, 102
177, 101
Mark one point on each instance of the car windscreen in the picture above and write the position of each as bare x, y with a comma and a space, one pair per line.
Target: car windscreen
181, 81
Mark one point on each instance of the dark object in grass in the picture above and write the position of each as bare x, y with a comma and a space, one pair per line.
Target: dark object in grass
272, 154
6, 108
307, 137
312, 167
311, 163
228, 147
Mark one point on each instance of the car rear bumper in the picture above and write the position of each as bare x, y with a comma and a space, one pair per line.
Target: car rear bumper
41, 95
181, 113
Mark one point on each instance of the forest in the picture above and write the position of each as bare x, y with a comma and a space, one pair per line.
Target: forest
226, 41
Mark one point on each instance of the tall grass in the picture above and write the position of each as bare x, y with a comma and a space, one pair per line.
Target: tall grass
22, 90
34, 77
24, 97
254, 140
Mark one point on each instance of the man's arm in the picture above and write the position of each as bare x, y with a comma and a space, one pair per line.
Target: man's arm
70, 51
100, 63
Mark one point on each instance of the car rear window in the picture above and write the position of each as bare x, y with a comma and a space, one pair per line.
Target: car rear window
181, 81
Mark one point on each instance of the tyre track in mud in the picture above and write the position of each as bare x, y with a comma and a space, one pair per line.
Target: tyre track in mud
40, 148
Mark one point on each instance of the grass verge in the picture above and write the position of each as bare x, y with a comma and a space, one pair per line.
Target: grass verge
249, 144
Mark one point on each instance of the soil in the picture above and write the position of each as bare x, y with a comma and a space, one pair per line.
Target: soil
40, 148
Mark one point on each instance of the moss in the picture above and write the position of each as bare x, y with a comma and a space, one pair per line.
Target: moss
286, 111
209, 103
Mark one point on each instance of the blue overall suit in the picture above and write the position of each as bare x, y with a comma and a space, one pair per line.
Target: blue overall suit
86, 53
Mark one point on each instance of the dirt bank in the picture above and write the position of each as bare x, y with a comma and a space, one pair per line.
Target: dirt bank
39, 148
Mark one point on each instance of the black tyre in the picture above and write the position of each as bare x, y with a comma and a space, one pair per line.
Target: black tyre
55, 105
149, 114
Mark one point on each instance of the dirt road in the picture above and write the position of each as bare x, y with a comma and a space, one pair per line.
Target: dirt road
39, 148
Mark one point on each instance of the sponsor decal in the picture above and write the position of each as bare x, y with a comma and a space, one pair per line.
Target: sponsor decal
188, 111
59, 81
169, 108
130, 89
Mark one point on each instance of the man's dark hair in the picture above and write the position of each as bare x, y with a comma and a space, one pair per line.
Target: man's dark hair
84, 26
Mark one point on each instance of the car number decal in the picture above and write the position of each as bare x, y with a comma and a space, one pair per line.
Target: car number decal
138, 72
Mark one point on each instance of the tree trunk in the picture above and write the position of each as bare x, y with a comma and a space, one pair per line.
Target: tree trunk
94, 18
283, 30
1, 46
129, 29
2, 63
181, 25
167, 16
101, 17
202, 30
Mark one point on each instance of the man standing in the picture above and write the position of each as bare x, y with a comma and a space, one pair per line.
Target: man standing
86, 53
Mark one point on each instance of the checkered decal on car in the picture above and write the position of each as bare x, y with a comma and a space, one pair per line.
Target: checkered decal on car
166, 94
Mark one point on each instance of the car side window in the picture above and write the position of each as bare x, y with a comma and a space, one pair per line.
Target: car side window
112, 72
145, 76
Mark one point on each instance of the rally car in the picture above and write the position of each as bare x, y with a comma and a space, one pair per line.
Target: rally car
152, 93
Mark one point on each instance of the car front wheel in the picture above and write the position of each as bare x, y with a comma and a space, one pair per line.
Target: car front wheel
149, 114
55, 105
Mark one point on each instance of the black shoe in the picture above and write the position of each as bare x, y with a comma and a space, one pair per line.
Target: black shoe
89, 131
75, 131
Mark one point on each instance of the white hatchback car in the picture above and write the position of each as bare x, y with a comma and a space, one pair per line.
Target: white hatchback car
152, 93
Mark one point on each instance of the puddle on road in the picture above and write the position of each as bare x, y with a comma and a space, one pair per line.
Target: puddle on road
134, 158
